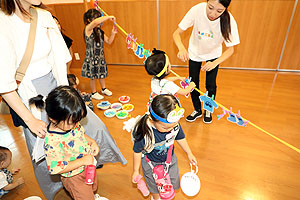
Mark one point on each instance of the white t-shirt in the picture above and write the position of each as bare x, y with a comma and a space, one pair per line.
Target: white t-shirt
13, 41
163, 86
206, 39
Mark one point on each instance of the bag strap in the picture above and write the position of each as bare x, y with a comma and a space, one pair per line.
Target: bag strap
29, 48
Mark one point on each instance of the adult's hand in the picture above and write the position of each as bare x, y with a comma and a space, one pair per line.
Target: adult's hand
37, 126
183, 55
208, 66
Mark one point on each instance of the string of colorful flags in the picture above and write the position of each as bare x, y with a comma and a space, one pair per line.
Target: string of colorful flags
208, 102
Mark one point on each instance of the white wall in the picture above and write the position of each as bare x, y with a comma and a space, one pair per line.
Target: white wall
61, 1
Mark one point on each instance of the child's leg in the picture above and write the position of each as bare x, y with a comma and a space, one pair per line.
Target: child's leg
148, 175
93, 85
155, 197
77, 187
102, 83
103, 87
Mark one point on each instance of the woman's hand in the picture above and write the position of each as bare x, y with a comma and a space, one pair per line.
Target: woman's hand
37, 126
134, 175
209, 66
192, 159
183, 55
94, 149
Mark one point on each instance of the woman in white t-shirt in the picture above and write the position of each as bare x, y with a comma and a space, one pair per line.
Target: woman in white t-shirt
212, 25
47, 70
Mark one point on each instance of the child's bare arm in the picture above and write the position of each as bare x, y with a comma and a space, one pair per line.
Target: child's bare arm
85, 160
137, 157
15, 184
89, 28
186, 90
109, 40
175, 78
184, 145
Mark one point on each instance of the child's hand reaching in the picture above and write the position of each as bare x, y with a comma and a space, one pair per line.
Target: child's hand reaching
192, 84
112, 18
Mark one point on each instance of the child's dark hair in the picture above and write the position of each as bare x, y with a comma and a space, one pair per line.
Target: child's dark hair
88, 17
155, 63
3, 153
71, 80
225, 20
161, 105
63, 103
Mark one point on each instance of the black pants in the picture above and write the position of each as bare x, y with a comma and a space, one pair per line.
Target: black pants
211, 85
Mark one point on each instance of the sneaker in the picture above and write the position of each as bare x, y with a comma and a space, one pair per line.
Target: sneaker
107, 92
97, 96
192, 117
97, 197
207, 117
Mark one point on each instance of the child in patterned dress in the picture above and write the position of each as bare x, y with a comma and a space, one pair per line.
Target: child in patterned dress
94, 65
67, 148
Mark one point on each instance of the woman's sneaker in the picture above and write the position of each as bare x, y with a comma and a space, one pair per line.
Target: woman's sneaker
192, 117
97, 197
107, 92
207, 117
97, 96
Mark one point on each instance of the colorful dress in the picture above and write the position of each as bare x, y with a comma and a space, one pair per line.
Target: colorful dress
94, 65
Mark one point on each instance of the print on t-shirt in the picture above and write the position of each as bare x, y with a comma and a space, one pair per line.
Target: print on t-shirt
205, 34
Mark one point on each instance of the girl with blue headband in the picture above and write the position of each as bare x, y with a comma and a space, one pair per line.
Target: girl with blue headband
153, 135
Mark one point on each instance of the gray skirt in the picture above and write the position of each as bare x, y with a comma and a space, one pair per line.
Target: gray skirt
94, 127
173, 172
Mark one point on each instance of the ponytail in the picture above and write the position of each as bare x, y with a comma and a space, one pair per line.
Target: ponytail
144, 131
37, 101
225, 25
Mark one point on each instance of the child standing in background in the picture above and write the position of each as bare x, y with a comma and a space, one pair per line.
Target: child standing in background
153, 135
94, 65
6, 177
68, 149
74, 82
159, 66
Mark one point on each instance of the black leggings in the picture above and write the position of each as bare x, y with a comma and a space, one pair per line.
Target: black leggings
211, 85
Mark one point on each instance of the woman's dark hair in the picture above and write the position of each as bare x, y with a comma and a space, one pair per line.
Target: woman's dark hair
3, 153
88, 17
155, 63
71, 79
9, 7
161, 105
225, 20
63, 103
